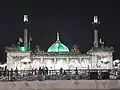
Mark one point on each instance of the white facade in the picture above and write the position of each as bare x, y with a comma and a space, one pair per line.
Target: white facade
93, 60
14, 59
103, 60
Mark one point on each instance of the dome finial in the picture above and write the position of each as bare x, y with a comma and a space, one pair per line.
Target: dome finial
57, 36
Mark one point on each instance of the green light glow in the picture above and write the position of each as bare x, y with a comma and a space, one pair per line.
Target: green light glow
58, 47
22, 48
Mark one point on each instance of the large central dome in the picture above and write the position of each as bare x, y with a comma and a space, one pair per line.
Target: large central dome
58, 46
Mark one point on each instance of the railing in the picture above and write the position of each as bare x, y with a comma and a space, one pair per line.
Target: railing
33, 75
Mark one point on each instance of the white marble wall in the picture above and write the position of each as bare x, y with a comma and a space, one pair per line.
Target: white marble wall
56, 62
14, 59
99, 59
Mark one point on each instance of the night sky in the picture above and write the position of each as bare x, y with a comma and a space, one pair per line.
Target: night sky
71, 19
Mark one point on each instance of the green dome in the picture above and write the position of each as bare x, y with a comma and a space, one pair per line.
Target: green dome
58, 46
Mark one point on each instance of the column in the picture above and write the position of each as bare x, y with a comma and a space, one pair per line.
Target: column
67, 60
41, 61
79, 62
55, 60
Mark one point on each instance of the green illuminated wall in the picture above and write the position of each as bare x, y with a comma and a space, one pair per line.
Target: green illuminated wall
23, 48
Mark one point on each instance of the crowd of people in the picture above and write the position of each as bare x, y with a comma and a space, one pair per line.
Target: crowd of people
45, 74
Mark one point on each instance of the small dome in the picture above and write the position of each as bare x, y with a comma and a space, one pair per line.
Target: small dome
58, 46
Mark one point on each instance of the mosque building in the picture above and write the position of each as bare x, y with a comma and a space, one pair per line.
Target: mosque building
58, 54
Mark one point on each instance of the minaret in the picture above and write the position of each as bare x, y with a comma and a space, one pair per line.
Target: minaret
95, 24
25, 21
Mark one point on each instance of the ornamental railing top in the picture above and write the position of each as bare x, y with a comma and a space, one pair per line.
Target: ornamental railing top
58, 54
12, 49
105, 49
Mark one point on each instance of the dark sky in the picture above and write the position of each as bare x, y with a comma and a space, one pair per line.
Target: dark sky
71, 19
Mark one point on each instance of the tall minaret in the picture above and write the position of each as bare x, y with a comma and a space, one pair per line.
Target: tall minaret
25, 21
95, 24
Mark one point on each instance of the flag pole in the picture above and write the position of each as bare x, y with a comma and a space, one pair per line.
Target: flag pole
30, 39
29, 43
